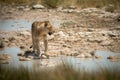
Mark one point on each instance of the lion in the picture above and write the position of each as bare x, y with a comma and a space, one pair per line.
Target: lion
40, 30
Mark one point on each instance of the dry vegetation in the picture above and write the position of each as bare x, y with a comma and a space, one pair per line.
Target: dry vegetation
61, 72
54, 3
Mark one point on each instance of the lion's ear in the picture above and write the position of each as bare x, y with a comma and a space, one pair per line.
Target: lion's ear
46, 23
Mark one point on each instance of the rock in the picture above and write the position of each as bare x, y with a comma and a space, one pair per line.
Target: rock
81, 34
80, 56
38, 6
1, 44
67, 10
65, 45
6, 40
114, 60
4, 62
54, 53
31, 57
101, 13
75, 53
90, 29
89, 10
24, 59
77, 11
87, 55
115, 28
66, 51
118, 18
24, 33
10, 12
92, 53
84, 55
70, 11
98, 57
11, 38
64, 10
106, 43
4, 57
113, 33
114, 57
72, 7
94, 40
22, 47
20, 7
27, 9
109, 8
103, 33
61, 35
96, 37
20, 54
43, 56
59, 9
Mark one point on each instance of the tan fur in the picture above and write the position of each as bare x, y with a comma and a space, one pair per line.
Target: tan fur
39, 31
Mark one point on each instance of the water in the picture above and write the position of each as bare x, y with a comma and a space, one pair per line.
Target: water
92, 64
14, 61
89, 64
14, 25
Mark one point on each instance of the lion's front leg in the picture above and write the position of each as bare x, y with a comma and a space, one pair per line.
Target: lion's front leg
37, 46
46, 45
33, 44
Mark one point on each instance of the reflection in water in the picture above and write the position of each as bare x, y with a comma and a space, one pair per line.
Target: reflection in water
79, 63
14, 61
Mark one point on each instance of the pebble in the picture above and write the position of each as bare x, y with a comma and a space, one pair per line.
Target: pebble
24, 59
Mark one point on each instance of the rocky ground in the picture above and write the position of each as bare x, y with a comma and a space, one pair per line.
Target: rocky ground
80, 32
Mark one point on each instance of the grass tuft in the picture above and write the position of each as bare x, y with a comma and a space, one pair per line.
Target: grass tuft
61, 72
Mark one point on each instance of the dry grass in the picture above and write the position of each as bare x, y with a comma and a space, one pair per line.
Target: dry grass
61, 72
90, 3
82, 3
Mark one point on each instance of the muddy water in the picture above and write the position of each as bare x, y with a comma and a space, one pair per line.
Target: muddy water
82, 63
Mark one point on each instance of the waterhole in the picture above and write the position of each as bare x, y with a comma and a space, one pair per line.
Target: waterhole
78, 63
